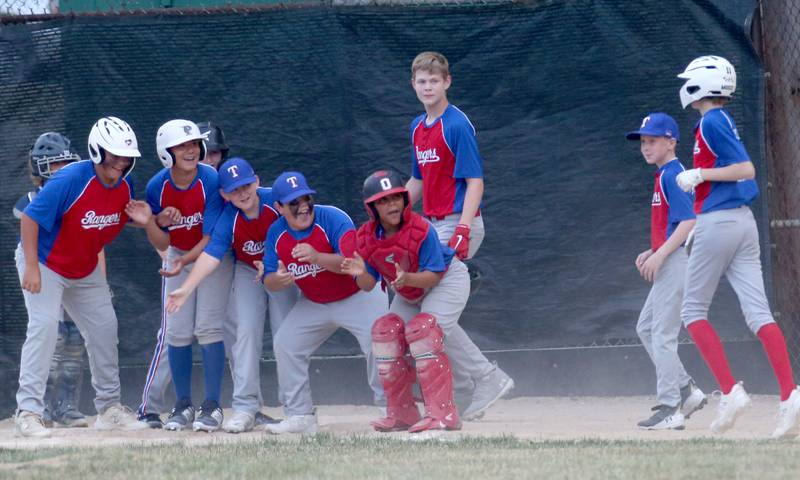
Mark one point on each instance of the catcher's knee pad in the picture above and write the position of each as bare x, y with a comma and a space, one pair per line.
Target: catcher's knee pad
424, 336
388, 338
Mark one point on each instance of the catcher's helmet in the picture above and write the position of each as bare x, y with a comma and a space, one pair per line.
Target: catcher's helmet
381, 184
174, 133
215, 138
49, 148
707, 76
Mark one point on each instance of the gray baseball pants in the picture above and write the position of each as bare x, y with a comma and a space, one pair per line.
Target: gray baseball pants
659, 325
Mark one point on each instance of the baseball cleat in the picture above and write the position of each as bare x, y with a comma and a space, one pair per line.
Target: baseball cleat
449, 422
210, 417
488, 390
730, 407
789, 416
29, 424
302, 424
239, 422
181, 417
692, 399
664, 418
117, 417
262, 419
69, 417
153, 420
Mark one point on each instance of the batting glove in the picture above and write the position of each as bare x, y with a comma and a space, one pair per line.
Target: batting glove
460, 241
689, 179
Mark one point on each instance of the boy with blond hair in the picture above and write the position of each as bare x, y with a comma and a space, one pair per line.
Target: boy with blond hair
447, 173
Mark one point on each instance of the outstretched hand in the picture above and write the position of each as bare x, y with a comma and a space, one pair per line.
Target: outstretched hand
354, 266
139, 211
177, 265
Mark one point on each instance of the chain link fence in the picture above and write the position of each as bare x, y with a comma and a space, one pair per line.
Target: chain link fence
775, 31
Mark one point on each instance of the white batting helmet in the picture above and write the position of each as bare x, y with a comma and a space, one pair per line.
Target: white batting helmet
174, 133
707, 76
114, 135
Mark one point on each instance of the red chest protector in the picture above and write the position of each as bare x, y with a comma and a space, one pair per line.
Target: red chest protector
402, 248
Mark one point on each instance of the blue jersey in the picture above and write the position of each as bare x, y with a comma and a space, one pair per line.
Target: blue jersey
200, 204
717, 144
443, 155
77, 216
245, 236
332, 228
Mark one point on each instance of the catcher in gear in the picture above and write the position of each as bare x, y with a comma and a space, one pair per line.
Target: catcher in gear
402, 249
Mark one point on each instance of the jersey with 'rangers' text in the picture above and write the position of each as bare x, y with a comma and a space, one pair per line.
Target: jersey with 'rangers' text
200, 204
77, 217
443, 155
331, 228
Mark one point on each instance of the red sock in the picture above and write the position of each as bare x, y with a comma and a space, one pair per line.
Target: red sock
775, 346
707, 341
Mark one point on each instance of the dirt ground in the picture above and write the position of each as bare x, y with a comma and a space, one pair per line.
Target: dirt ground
534, 418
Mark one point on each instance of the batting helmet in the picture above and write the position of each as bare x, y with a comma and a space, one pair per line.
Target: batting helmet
111, 134
381, 184
215, 138
174, 133
50, 147
707, 76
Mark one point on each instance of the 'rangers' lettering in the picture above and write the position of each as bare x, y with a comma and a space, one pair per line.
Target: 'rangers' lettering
93, 220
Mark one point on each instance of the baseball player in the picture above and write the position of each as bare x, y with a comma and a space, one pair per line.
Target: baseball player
726, 243
664, 264
431, 288
447, 173
242, 227
216, 148
154, 400
63, 230
305, 247
191, 189
49, 154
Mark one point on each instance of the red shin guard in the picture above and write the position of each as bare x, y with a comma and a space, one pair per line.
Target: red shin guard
396, 374
426, 341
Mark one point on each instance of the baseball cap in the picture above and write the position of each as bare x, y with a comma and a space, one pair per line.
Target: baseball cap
656, 125
235, 173
290, 185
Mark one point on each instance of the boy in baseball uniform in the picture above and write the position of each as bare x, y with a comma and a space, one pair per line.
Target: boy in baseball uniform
305, 248
190, 189
63, 230
242, 228
664, 264
726, 243
447, 174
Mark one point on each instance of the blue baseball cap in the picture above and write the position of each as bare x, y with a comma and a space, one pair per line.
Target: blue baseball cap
290, 185
235, 173
656, 125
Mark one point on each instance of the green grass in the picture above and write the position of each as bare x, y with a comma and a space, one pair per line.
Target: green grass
359, 457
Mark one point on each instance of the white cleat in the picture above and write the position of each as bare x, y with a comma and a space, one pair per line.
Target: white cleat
117, 417
730, 407
239, 422
29, 424
788, 418
302, 424
692, 399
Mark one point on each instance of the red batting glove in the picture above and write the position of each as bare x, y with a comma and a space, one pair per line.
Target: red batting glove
460, 241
